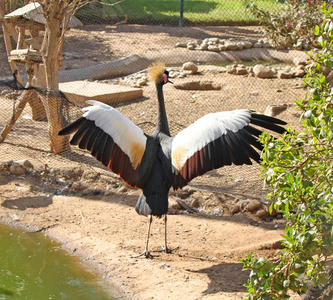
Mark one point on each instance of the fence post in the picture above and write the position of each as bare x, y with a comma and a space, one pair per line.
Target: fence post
181, 13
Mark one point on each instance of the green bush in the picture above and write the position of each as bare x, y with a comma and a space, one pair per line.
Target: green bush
295, 21
299, 168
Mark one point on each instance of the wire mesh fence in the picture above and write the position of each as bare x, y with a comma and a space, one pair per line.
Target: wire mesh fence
118, 42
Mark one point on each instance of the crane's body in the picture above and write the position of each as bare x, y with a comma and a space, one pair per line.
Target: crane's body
158, 162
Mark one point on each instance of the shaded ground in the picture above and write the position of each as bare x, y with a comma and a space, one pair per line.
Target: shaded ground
99, 223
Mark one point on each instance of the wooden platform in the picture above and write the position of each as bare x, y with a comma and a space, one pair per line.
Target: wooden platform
80, 91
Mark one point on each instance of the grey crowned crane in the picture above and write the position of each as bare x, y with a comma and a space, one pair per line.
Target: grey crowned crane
157, 162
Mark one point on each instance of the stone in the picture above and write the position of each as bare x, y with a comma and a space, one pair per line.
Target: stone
299, 62
262, 71
247, 44
240, 45
181, 45
231, 45
262, 213
17, 169
231, 69
78, 186
257, 45
190, 47
222, 47
241, 71
253, 205
284, 75
299, 71
266, 44
213, 48
25, 163
203, 46
190, 66
234, 209
274, 110
251, 40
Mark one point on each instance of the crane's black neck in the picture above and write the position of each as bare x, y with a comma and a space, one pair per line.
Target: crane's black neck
162, 120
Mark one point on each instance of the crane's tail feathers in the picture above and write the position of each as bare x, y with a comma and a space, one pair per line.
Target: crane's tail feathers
156, 205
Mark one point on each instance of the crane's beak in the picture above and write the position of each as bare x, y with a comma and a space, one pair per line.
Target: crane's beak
169, 81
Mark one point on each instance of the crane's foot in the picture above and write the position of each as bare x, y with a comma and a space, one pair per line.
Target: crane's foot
147, 254
166, 249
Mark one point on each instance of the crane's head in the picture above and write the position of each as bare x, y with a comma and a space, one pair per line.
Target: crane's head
157, 73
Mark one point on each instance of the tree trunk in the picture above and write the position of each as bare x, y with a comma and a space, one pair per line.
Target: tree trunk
53, 105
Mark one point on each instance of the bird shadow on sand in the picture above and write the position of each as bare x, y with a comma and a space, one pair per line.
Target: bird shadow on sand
224, 277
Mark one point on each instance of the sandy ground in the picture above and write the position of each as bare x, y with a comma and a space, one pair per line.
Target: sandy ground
99, 223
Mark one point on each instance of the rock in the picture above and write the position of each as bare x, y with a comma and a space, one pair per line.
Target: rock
222, 47
299, 71
78, 186
247, 44
299, 62
203, 46
257, 45
240, 45
17, 169
190, 66
261, 71
231, 69
262, 213
142, 81
234, 209
25, 163
181, 45
241, 71
266, 44
274, 110
284, 75
213, 48
231, 45
253, 205
251, 40
197, 85
214, 40
190, 47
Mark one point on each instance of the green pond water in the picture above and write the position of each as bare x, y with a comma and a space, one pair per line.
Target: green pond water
33, 267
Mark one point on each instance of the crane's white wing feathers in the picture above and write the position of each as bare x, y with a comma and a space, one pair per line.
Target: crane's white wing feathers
129, 137
205, 130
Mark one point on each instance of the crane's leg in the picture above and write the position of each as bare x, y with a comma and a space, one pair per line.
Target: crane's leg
165, 247
146, 252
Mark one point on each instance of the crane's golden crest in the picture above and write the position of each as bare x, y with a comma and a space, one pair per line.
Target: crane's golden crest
155, 71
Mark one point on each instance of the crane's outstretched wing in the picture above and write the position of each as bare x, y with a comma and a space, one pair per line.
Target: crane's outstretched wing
217, 140
111, 138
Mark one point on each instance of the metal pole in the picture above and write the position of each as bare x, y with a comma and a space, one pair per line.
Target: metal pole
181, 13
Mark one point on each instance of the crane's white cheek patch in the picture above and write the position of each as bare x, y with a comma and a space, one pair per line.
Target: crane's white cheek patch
179, 158
136, 154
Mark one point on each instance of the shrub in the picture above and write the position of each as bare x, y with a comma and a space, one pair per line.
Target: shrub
293, 22
299, 168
